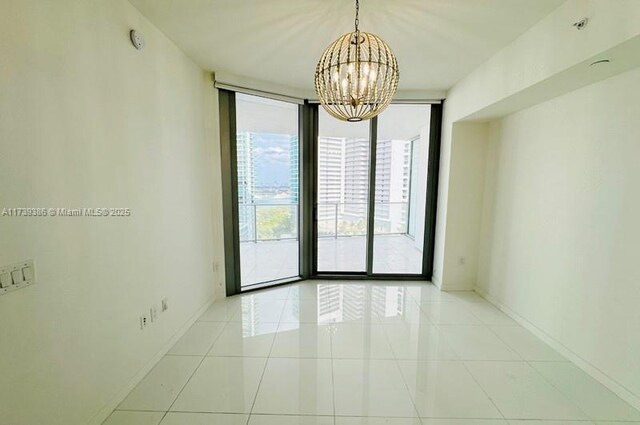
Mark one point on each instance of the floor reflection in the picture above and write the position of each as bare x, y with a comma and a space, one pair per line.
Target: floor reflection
342, 350
324, 303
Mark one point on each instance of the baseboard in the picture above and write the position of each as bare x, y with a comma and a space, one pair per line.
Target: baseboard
590, 369
449, 287
104, 413
456, 288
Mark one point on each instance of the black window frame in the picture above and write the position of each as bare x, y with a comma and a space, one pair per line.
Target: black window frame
308, 137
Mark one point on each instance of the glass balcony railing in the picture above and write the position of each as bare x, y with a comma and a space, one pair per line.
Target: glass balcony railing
268, 222
274, 222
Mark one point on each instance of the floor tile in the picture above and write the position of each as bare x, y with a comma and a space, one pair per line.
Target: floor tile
296, 386
543, 422
134, 418
307, 290
277, 293
305, 310
429, 294
290, 420
466, 296
352, 313
241, 339
449, 314
441, 421
422, 342
476, 343
526, 344
354, 290
254, 310
185, 418
222, 384
360, 420
302, 341
162, 384
380, 353
370, 388
442, 389
522, 393
488, 314
405, 312
197, 341
596, 400
221, 310
357, 341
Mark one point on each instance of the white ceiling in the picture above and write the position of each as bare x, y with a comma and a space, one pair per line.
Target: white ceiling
437, 42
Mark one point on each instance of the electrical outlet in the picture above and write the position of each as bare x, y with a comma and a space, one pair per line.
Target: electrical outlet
144, 321
462, 260
165, 305
153, 313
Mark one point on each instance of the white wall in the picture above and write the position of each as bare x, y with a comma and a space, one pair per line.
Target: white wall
468, 146
550, 59
560, 233
88, 121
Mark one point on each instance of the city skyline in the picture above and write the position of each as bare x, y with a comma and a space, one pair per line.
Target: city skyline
268, 174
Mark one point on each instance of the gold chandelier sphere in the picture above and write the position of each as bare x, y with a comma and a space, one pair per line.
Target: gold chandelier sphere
356, 77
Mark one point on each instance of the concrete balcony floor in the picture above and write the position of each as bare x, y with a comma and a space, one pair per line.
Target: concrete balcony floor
271, 260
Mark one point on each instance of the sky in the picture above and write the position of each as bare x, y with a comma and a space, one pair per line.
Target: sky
271, 158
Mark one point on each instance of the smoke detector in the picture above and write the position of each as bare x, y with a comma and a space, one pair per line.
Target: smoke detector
136, 39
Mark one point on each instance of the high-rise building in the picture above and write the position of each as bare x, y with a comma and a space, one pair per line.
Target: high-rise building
356, 178
246, 185
330, 182
343, 184
393, 167
251, 191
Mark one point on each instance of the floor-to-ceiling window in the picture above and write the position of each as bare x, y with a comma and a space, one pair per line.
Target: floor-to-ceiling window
306, 195
268, 190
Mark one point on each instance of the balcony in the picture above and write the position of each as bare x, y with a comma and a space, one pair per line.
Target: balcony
269, 240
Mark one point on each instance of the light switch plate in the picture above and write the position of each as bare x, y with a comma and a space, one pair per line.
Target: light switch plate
17, 276
5, 280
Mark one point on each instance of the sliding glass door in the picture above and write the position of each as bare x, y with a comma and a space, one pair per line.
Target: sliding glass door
402, 154
342, 194
268, 191
387, 159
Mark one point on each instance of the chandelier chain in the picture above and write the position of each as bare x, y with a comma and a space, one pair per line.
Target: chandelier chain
357, 21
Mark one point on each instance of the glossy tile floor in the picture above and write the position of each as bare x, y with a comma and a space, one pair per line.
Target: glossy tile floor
337, 353
272, 260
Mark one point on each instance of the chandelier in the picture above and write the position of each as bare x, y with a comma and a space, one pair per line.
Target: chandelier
357, 75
